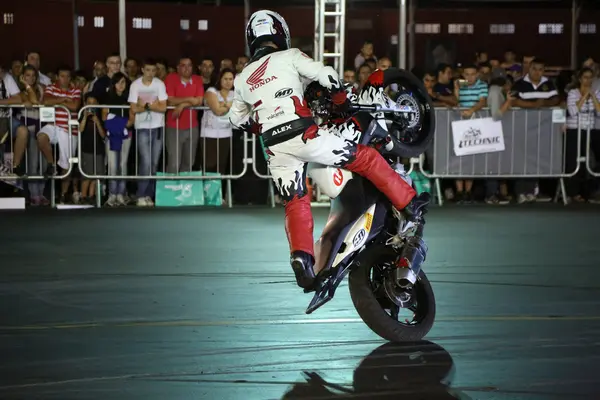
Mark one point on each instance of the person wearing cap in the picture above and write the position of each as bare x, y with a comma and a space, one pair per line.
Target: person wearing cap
516, 71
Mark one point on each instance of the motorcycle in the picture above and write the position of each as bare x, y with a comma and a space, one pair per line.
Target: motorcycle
380, 249
416, 370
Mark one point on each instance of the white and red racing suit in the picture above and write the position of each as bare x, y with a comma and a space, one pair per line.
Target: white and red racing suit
270, 91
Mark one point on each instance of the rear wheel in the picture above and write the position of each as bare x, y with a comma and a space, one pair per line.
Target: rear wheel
376, 299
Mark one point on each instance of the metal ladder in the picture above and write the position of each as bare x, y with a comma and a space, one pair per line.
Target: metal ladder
334, 12
335, 9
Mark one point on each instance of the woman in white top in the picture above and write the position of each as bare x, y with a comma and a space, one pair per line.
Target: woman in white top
216, 129
32, 93
583, 106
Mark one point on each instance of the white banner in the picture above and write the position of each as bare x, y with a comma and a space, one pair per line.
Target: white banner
477, 136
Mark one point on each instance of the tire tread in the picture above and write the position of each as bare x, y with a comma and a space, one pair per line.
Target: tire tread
375, 317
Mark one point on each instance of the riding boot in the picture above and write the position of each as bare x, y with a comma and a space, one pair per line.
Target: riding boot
370, 164
299, 229
416, 208
418, 205
302, 264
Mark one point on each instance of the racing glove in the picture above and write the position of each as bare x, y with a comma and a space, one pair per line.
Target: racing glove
339, 97
341, 103
252, 127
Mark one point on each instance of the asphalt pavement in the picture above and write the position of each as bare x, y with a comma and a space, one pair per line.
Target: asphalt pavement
201, 304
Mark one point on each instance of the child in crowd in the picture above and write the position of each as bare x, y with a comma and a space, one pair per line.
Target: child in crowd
92, 136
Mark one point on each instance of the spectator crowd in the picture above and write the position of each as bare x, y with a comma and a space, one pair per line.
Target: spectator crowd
501, 85
139, 113
131, 116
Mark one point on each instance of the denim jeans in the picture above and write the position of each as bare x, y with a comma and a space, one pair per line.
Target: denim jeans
117, 165
149, 144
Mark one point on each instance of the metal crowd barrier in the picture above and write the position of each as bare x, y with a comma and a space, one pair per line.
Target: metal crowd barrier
534, 148
265, 174
24, 125
534, 140
215, 154
590, 154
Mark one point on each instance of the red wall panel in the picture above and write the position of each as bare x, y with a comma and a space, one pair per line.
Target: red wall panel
47, 25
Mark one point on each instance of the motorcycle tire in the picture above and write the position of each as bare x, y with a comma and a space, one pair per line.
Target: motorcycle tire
374, 316
415, 87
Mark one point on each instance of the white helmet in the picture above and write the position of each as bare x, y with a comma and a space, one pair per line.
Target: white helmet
266, 25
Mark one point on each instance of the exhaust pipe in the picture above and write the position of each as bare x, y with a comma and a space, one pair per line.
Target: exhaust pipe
409, 263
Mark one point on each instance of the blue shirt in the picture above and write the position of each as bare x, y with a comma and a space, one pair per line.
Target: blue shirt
468, 96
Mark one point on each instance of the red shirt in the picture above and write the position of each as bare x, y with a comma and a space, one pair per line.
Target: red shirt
62, 117
177, 88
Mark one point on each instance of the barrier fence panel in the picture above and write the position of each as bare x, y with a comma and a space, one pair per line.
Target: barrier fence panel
150, 151
534, 143
33, 140
35, 136
592, 150
258, 151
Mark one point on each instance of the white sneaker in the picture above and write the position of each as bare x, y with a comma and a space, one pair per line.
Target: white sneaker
522, 199
149, 202
112, 201
141, 202
531, 198
76, 197
121, 200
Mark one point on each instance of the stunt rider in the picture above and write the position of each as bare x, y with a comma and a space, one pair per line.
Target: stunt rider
269, 101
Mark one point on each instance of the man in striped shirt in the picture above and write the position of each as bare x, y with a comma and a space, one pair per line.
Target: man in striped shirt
63, 96
472, 96
471, 92
535, 91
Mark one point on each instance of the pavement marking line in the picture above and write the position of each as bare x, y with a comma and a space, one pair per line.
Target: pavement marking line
184, 323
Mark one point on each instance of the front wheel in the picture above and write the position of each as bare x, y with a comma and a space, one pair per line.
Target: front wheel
382, 315
414, 131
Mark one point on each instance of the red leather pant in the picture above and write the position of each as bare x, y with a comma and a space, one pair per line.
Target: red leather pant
360, 159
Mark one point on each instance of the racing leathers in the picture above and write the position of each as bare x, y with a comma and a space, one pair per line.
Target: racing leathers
269, 91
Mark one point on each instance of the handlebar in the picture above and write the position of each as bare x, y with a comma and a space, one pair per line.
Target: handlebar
373, 108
